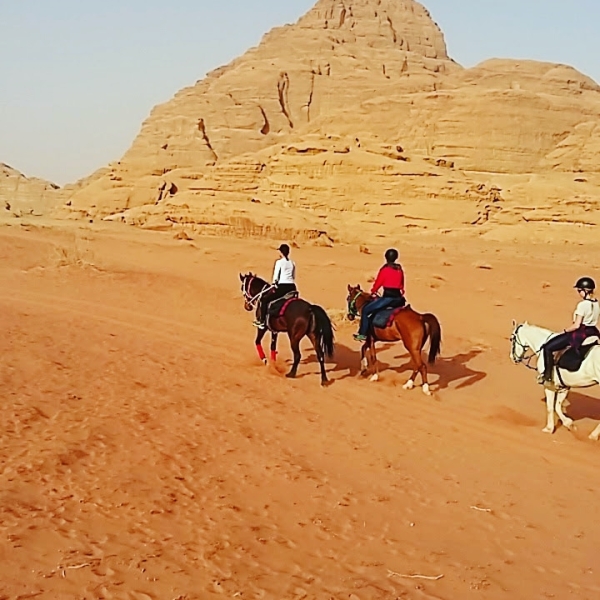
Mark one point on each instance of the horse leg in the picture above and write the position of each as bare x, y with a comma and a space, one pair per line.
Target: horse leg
274, 347
260, 334
595, 435
295, 344
566, 421
550, 401
364, 360
320, 357
418, 367
373, 354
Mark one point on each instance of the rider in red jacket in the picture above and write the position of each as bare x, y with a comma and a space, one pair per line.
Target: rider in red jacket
391, 279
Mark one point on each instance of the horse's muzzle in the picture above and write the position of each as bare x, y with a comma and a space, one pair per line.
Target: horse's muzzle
248, 306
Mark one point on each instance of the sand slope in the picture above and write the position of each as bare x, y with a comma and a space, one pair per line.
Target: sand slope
146, 454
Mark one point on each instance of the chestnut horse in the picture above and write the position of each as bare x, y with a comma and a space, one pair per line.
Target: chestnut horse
299, 319
413, 328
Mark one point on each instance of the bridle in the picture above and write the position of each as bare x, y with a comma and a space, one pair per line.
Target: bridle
526, 360
352, 310
252, 300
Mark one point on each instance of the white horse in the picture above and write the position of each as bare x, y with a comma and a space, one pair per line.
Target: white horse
529, 337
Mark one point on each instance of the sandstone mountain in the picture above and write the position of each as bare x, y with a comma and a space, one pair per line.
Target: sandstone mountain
21, 196
355, 122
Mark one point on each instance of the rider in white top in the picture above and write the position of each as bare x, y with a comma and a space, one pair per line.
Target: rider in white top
585, 324
589, 311
284, 282
285, 271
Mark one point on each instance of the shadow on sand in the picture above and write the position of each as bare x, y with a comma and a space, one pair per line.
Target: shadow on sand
582, 407
449, 370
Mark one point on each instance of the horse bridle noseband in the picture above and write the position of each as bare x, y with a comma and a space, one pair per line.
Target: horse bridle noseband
252, 300
514, 338
352, 310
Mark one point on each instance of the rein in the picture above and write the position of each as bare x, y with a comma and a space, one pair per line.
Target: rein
352, 310
514, 338
252, 300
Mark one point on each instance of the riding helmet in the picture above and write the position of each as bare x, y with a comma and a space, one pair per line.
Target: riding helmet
391, 255
284, 249
586, 283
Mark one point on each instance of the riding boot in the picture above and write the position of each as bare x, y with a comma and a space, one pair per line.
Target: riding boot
548, 368
260, 316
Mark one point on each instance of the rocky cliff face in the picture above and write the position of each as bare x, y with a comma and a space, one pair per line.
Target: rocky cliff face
356, 104
22, 196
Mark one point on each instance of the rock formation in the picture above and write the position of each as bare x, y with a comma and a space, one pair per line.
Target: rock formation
22, 196
353, 108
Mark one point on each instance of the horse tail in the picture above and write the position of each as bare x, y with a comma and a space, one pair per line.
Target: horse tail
433, 328
323, 331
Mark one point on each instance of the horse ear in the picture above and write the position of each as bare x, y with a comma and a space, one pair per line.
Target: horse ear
241, 277
358, 287
514, 323
349, 288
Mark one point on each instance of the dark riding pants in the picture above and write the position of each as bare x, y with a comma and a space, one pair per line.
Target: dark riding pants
370, 309
560, 342
279, 292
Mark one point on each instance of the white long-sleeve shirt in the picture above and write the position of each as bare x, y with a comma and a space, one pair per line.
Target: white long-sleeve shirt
285, 271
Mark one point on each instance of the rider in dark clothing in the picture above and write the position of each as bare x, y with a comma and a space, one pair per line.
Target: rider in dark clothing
391, 279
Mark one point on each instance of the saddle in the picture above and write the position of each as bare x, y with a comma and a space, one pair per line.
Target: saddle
384, 318
276, 308
572, 359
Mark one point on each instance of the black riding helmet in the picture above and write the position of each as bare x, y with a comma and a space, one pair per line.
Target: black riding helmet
391, 255
586, 283
284, 249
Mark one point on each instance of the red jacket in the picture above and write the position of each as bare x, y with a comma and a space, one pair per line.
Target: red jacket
389, 277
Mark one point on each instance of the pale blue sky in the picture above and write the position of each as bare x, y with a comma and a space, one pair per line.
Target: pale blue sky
78, 77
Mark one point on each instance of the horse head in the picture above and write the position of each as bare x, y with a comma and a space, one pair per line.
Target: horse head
253, 288
518, 347
356, 300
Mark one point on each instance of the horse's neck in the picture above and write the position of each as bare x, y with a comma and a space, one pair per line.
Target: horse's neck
258, 285
536, 336
366, 298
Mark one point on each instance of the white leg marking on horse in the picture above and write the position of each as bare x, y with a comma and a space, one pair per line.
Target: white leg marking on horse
550, 398
375, 377
595, 435
426, 389
365, 363
566, 421
409, 385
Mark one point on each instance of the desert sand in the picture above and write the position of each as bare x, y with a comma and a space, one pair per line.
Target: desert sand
146, 453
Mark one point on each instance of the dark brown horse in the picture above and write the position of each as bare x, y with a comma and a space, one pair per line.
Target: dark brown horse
413, 328
299, 319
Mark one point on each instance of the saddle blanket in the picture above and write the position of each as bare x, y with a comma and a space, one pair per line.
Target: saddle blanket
572, 359
384, 318
278, 307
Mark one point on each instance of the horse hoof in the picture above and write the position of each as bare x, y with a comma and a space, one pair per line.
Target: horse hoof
593, 437
570, 425
548, 430
426, 390
409, 385
291, 375
265, 361
375, 377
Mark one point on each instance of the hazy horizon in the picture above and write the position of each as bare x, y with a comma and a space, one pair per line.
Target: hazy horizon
81, 78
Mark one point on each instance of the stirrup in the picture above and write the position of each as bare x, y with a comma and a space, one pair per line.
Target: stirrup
360, 338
